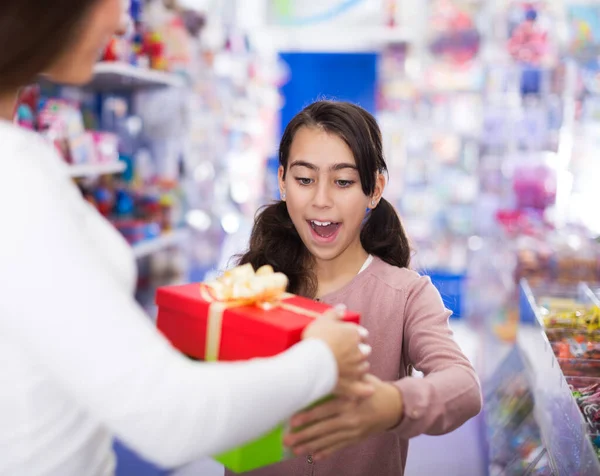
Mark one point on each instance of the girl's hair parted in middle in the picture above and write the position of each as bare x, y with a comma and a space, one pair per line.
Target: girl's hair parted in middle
274, 238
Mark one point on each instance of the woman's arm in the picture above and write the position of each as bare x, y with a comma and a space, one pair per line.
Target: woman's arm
60, 304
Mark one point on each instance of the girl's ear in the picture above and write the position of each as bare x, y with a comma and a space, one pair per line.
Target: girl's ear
281, 181
379, 188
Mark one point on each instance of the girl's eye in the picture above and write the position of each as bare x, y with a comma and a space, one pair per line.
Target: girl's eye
304, 181
344, 183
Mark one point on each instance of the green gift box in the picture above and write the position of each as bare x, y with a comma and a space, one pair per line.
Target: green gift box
264, 451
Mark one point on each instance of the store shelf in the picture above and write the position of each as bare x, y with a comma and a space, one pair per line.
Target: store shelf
91, 170
166, 240
323, 39
123, 76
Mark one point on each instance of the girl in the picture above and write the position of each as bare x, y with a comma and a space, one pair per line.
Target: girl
79, 360
331, 171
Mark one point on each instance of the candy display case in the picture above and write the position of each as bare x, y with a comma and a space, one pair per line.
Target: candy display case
552, 313
570, 316
513, 434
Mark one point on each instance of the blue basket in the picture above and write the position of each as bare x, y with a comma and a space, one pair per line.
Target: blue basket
526, 303
451, 287
130, 464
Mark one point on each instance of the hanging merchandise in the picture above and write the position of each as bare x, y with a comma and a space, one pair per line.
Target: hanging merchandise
392, 13
233, 131
166, 39
454, 36
434, 172
584, 30
530, 43
61, 122
395, 89
534, 184
590, 75
156, 38
454, 43
27, 107
129, 47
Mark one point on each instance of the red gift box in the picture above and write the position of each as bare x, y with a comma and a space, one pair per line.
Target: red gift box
246, 331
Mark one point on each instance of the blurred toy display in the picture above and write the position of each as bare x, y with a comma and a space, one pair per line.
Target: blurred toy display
143, 203
127, 123
584, 35
433, 167
234, 130
506, 191
157, 37
396, 90
27, 107
531, 43
61, 121
454, 44
454, 36
139, 214
433, 175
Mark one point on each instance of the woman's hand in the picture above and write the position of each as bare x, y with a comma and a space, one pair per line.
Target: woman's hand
347, 342
339, 423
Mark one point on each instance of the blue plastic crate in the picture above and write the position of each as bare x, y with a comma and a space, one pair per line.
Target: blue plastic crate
130, 464
526, 303
451, 287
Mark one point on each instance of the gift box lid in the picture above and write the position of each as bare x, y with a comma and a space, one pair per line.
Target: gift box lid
186, 299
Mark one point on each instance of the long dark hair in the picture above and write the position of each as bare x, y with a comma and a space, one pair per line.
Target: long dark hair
275, 240
33, 35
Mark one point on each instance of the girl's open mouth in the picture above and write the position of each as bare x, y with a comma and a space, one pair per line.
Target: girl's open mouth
324, 231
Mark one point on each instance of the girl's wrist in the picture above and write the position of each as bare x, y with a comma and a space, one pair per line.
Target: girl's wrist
395, 405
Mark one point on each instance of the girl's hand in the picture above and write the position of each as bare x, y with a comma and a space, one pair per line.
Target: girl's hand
339, 423
347, 342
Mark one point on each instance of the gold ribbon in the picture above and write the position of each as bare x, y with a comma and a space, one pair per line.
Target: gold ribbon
239, 287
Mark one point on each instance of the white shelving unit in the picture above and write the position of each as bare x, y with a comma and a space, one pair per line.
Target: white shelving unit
166, 240
319, 39
118, 76
123, 76
93, 170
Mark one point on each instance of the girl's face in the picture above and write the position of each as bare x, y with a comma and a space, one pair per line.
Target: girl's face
323, 193
104, 19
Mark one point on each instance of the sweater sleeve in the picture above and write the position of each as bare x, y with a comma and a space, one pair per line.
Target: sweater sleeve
63, 307
449, 394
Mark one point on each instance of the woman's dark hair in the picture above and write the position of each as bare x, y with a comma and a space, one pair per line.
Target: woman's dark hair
274, 239
33, 35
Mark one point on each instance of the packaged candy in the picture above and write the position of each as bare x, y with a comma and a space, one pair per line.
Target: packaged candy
586, 392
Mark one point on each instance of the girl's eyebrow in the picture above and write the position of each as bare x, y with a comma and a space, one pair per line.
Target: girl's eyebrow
308, 165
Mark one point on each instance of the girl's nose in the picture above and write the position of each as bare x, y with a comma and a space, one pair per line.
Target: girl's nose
323, 196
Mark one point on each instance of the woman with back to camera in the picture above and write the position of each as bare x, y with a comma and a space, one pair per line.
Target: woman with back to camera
79, 360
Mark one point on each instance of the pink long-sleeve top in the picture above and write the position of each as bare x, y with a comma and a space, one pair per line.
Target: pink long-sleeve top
408, 325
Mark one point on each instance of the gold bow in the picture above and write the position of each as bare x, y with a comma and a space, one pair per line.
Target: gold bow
242, 286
